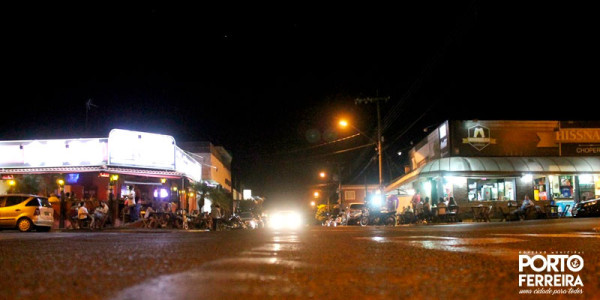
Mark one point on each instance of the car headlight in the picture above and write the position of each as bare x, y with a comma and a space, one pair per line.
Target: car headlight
286, 221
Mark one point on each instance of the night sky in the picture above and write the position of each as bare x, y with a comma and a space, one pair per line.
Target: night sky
269, 82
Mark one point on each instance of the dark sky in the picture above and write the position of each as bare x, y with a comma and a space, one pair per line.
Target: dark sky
258, 79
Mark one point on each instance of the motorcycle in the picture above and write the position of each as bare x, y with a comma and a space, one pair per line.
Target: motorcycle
386, 218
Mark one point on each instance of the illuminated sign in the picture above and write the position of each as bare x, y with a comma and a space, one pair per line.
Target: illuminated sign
479, 137
103, 174
141, 149
8, 177
53, 153
247, 194
72, 178
187, 165
578, 135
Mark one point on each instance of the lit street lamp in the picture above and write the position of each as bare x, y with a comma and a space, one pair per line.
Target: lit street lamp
344, 123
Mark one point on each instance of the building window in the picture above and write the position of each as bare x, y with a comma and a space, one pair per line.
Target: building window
484, 189
350, 195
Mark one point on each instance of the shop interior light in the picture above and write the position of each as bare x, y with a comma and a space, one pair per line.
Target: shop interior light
427, 187
161, 193
114, 177
586, 179
12, 182
163, 180
527, 178
456, 180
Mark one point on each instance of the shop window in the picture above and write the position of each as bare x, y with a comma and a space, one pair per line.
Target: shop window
509, 190
565, 186
587, 187
490, 189
539, 189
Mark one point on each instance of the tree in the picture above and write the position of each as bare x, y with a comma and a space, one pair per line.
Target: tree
321, 213
217, 196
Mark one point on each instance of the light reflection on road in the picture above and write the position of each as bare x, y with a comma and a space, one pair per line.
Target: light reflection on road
455, 244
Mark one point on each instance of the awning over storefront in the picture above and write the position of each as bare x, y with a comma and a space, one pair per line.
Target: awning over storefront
501, 166
126, 171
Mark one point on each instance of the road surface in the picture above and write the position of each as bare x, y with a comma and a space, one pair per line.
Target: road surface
466, 260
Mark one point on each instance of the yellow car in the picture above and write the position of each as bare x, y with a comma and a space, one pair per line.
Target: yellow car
26, 212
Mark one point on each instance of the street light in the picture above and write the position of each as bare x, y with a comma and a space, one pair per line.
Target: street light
344, 123
322, 174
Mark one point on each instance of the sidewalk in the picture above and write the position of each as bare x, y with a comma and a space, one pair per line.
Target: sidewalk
136, 227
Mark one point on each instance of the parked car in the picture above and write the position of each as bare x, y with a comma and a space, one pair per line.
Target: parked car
249, 219
355, 212
26, 212
588, 208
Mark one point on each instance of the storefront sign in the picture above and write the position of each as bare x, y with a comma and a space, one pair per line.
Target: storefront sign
572, 141
141, 149
580, 149
479, 137
53, 153
8, 177
187, 165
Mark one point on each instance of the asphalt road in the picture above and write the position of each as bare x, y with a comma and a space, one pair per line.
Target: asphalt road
470, 260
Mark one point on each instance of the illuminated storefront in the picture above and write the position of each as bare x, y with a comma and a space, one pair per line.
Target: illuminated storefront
105, 167
499, 161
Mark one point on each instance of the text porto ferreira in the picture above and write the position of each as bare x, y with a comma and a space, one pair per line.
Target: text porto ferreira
553, 273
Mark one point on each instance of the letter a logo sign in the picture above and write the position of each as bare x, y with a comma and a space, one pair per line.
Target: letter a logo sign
479, 137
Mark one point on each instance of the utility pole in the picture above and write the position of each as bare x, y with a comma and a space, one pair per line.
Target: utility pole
377, 100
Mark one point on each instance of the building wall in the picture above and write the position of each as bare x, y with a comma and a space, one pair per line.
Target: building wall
216, 162
217, 171
359, 194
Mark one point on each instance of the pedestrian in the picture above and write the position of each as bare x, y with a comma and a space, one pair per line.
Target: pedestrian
215, 214
131, 203
416, 199
55, 203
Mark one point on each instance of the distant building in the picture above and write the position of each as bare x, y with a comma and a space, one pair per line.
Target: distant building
216, 163
356, 193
